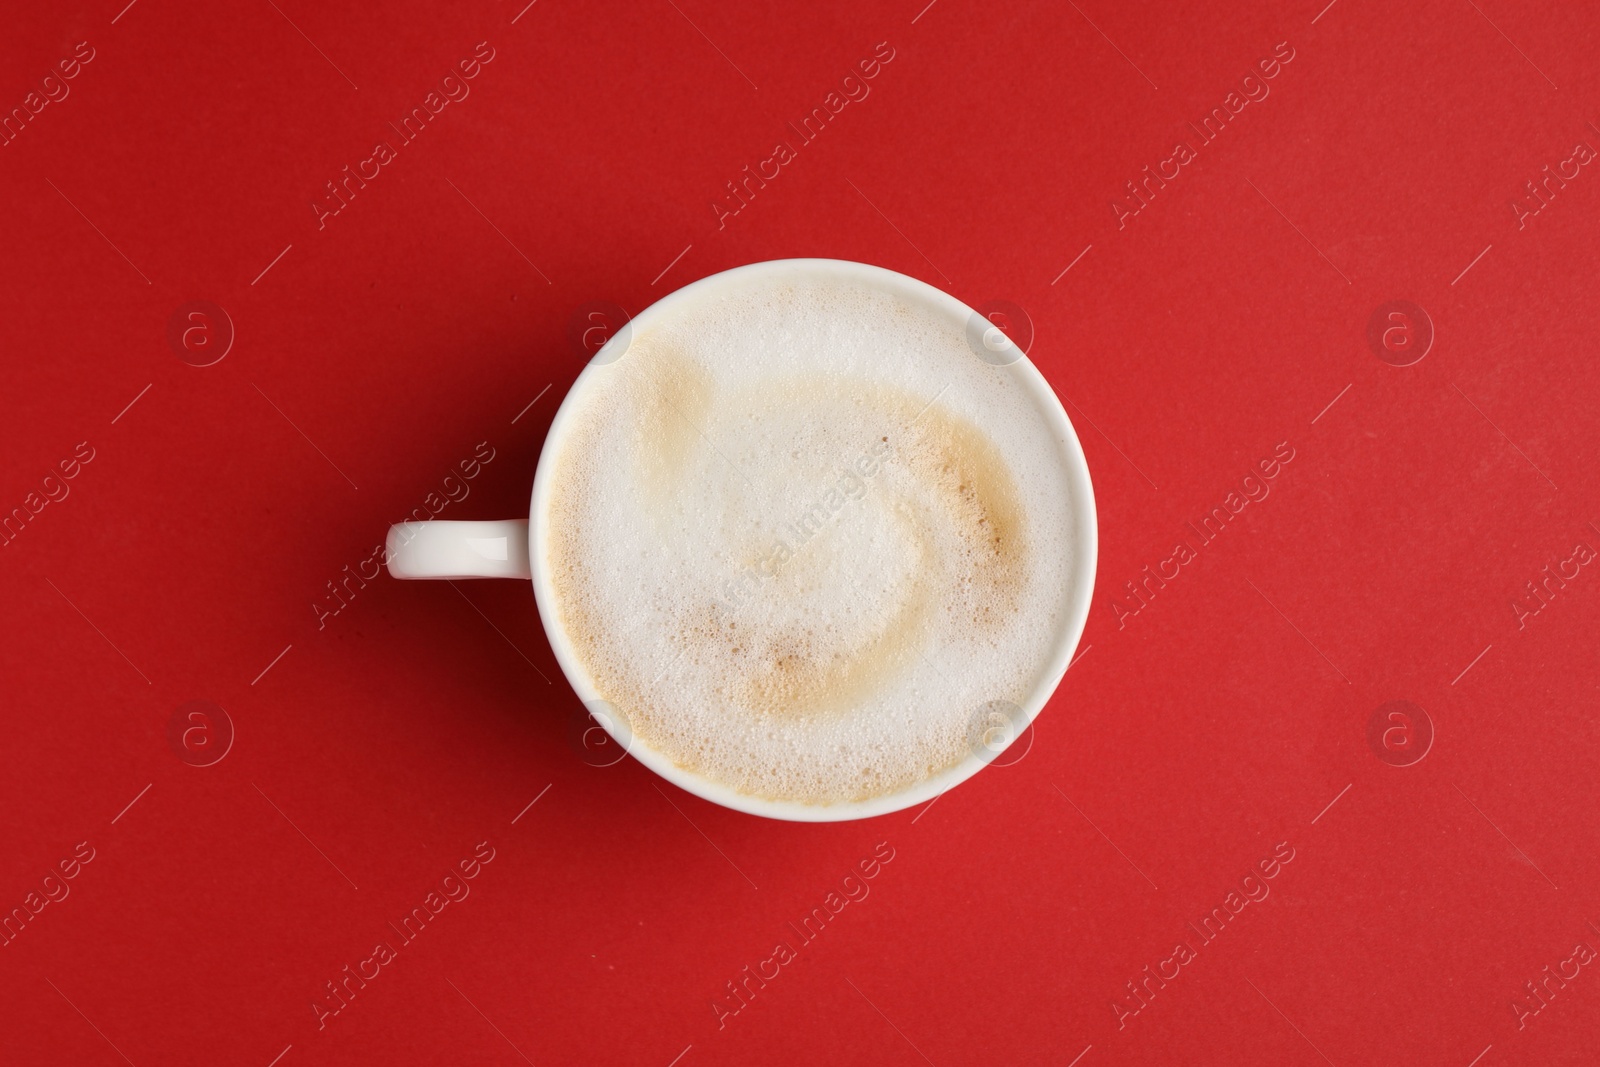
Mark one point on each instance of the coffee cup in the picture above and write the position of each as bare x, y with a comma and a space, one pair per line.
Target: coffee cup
936, 581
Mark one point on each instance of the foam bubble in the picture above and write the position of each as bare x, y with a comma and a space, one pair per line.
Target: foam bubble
800, 532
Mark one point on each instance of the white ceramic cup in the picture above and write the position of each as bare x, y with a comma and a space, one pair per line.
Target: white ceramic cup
505, 549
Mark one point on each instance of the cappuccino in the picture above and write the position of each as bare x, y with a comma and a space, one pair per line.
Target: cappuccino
804, 538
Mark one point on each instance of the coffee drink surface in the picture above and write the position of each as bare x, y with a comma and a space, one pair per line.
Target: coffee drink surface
799, 536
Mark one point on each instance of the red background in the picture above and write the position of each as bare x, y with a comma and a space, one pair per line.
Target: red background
377, 749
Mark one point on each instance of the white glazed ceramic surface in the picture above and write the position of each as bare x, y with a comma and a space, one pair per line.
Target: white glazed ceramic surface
514, 548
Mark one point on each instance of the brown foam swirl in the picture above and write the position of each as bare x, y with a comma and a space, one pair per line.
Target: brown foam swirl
936, 543
944, 495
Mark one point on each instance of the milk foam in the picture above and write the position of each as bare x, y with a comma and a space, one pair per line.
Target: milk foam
800, 536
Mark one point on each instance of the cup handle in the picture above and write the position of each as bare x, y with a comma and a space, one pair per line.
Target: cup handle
445, 549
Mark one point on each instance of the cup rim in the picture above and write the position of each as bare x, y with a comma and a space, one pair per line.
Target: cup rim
1082, 575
